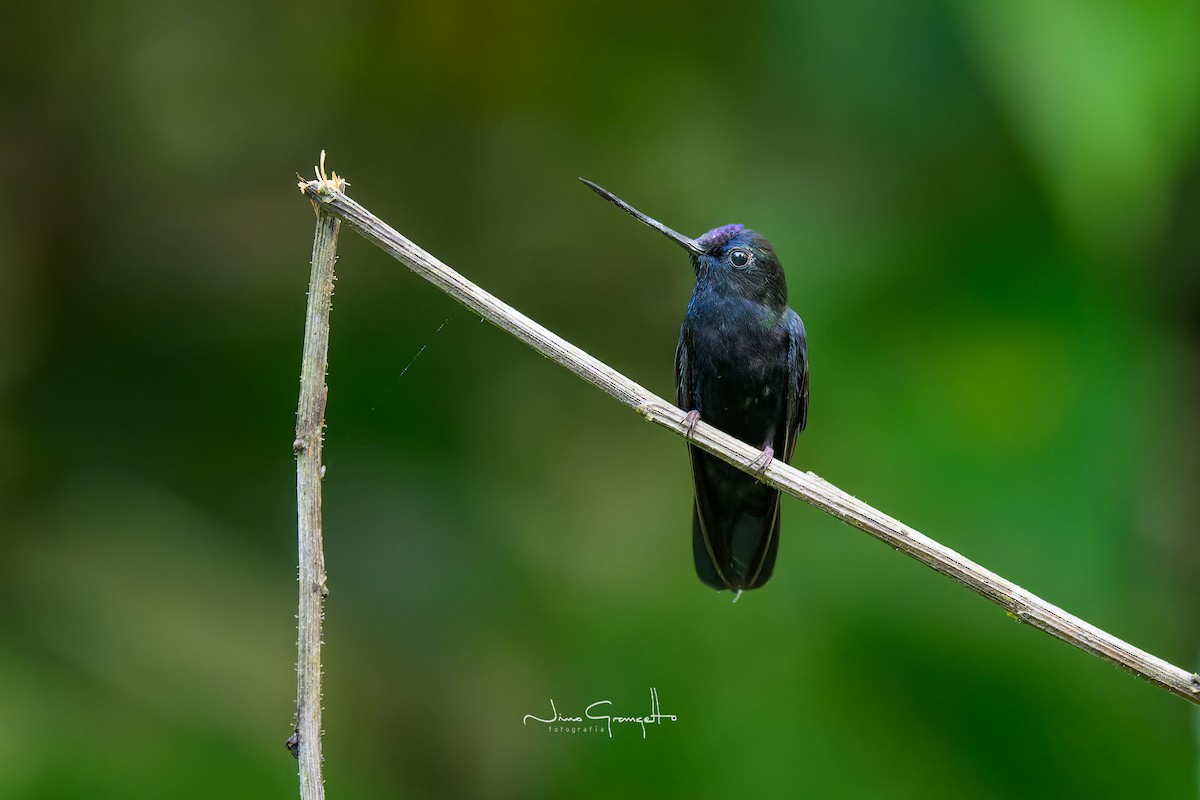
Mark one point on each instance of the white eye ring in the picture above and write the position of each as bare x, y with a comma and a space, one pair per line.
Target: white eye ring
739, 258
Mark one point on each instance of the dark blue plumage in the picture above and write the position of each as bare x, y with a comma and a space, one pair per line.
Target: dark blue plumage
742, 366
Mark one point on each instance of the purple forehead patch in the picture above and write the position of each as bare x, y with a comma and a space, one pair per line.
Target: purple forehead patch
719, 237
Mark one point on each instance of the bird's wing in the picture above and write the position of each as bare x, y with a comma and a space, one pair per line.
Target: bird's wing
797, 399
685, 394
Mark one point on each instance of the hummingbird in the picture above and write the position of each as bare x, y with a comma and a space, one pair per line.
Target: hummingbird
741, 365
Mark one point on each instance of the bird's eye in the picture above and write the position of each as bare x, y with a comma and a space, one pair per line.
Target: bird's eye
739, 258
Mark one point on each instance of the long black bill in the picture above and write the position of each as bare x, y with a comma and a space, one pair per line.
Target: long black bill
687, 244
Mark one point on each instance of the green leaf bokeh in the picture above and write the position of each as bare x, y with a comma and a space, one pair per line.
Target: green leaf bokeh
988, 213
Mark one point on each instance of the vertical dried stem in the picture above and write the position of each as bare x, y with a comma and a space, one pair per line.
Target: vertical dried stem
305, 743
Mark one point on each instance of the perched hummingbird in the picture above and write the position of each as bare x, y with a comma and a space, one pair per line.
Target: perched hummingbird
741, 365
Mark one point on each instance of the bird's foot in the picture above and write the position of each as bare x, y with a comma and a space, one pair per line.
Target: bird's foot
689, 423
764, 459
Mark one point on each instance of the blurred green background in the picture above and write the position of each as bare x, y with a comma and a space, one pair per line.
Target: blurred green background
989, 213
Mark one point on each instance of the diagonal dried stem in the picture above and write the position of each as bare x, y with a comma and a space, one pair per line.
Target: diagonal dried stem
1020, 604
